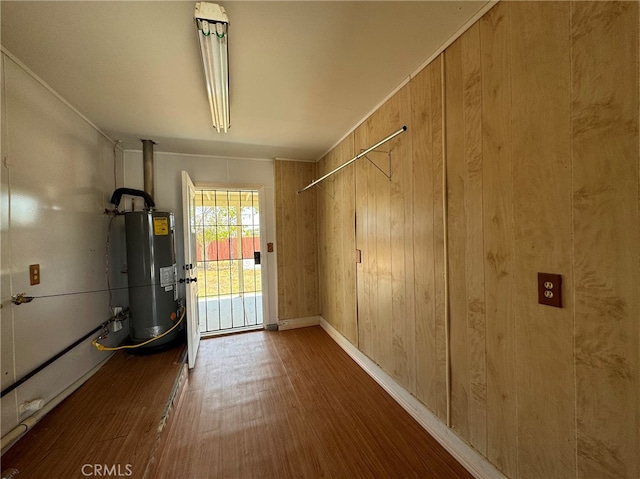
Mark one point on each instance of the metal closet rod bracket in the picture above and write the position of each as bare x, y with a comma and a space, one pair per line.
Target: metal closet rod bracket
388, 153
357, 157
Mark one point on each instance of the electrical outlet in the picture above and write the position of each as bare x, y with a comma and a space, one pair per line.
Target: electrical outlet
550, 289
34, 274
117, 326
117, 310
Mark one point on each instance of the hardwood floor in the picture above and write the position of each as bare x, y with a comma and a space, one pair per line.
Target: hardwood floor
292, 404
112, 420
288, 404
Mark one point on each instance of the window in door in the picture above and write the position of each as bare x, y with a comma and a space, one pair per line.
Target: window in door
228, 256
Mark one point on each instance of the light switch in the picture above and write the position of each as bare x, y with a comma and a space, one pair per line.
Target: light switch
550, 289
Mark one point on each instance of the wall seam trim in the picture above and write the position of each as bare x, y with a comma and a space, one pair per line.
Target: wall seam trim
445, 234
513, 238
202, 155
482, 237
6, 164
49, 88
573, 244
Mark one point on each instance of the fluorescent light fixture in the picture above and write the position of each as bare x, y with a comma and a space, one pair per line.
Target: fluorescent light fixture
212, 26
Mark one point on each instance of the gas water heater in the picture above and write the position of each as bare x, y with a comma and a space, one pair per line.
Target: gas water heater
151, 271
154, 312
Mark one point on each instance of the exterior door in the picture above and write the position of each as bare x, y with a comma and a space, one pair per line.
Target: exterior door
229, 260
190, 268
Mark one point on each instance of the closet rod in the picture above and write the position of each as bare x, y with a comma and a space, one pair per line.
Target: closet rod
368, 150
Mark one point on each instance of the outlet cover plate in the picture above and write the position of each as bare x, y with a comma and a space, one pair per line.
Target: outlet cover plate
34, 274
550, 289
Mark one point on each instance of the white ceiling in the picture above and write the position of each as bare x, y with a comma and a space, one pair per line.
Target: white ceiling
302, 73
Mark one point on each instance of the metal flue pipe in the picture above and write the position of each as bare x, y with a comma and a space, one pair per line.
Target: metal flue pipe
147, 165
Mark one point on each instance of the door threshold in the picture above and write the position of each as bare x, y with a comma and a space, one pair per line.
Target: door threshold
226, 332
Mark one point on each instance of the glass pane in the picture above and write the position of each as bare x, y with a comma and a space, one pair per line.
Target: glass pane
228, 235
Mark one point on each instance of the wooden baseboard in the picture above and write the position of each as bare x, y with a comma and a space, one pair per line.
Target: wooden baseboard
285, 324
473, 461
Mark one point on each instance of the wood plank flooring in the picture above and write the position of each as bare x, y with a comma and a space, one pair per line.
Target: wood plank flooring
287, 404
292, 404
112, 419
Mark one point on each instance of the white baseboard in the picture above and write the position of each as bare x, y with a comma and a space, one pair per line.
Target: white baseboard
285, 324
472, 460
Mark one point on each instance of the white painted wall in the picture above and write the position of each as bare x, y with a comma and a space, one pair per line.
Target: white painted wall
56, 178
209, 170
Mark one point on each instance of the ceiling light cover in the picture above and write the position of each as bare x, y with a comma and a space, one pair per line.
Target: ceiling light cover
212, 27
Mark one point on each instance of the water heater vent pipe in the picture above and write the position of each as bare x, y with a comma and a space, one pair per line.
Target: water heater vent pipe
147, 165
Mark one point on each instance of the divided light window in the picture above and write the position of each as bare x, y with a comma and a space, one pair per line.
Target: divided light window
228, 249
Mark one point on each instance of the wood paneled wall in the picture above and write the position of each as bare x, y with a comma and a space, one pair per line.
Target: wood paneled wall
497, 203
384, 233
337, 242
542, 158
606, 275
296, 240
541, 154
428, 237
